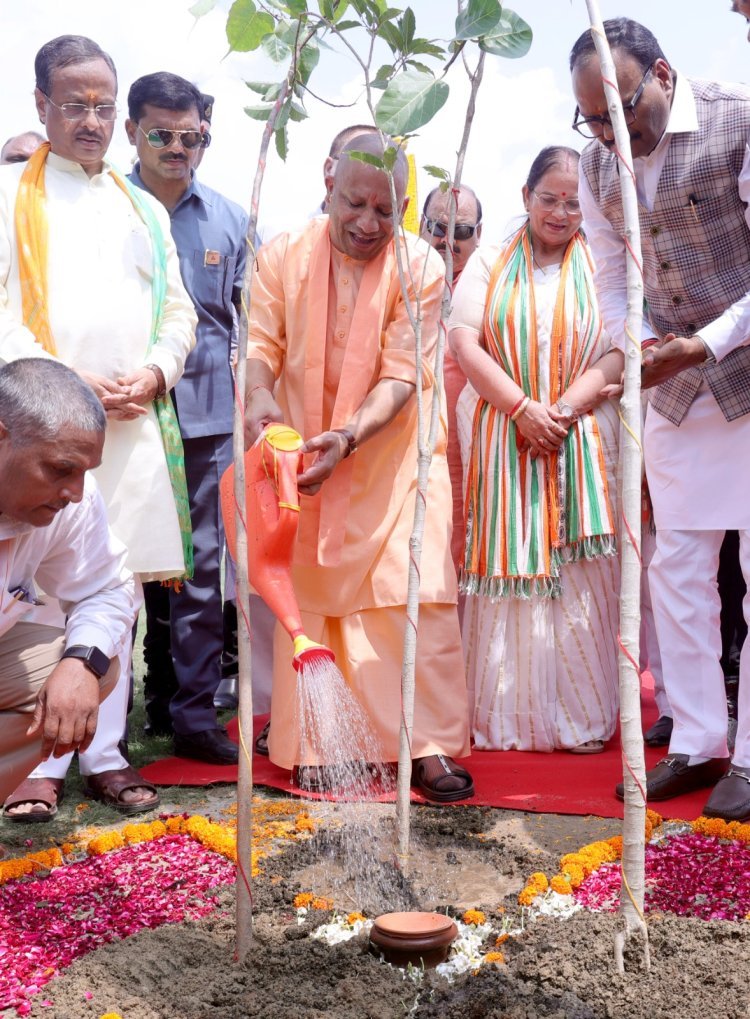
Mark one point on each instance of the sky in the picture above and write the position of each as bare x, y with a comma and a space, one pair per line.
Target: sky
523, 104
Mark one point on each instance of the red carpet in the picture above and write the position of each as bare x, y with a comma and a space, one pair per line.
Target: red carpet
558, 783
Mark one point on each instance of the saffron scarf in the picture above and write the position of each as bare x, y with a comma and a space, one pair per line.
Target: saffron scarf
31, 239
526, 517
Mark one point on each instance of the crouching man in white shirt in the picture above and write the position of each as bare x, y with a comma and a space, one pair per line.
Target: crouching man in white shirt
54, 539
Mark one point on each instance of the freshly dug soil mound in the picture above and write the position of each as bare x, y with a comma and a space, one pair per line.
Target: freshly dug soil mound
468, 857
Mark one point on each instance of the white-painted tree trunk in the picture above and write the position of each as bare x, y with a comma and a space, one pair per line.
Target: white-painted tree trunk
423, 470
631, 456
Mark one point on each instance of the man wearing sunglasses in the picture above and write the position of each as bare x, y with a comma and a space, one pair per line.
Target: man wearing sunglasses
433, 228
692, 170
77, 283
166, 125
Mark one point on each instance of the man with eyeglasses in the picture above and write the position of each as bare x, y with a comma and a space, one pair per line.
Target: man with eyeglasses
692, 169
433, 228
89, 275
165, 125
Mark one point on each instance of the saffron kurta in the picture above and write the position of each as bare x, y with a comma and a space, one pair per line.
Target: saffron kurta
330, 328
100, 306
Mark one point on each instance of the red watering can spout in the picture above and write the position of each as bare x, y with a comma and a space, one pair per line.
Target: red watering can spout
272, 502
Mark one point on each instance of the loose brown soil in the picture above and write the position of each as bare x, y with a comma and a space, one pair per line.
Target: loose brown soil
461, 857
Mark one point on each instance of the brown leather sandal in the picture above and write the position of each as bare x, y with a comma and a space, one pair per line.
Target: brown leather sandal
261, 740
433, 777
49, 791
108, 786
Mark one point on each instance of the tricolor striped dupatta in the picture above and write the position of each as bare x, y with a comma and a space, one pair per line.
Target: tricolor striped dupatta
526, 517
31, 240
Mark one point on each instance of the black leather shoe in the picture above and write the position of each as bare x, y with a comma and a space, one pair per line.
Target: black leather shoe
730, 799
212, 745
673, 776
660, 732
226, 697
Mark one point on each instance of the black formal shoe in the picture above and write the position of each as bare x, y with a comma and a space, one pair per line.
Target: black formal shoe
731, 797
660, 732
212, 745
226, 697
673, 776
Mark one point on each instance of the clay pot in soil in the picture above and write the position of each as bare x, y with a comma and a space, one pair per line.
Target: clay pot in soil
416, 938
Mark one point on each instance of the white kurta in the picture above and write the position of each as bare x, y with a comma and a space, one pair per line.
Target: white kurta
542, 672
100, 303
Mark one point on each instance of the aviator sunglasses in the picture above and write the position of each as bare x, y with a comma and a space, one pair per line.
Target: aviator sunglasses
461, 231
160, 138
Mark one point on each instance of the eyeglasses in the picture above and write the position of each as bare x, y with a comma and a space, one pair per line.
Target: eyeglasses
592, 127
160, 138
571, 205
461, 231
77, 111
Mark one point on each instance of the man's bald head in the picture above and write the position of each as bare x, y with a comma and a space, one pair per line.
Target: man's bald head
468, 220
373, 145
21, 147
361, 209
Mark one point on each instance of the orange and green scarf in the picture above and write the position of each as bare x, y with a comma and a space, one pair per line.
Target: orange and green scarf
527, 517
31, 239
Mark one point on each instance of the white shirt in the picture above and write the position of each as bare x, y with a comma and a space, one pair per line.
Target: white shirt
732, 328
76, 560
99, 277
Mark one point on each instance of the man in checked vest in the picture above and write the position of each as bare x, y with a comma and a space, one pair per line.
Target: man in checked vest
689, 142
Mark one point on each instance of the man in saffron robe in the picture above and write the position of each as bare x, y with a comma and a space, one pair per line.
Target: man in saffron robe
328, 322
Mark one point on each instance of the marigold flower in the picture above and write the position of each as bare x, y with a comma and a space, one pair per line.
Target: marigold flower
303, 900
501, 939
527, 896
474, 916
320, 902
497, 957
353, 918
573, 874
538, 881
560, 885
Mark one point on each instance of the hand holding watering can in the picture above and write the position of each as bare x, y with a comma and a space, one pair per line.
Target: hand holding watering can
330, 447
272, 467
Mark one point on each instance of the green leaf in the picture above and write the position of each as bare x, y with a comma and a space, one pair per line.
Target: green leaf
511, 38
261, 87
272, 93
295, 8
408, 25
392, 36
246, 26
202, 7
276, 48
411, 100
259, 112
479, 18
344, 26
419, 66
297, 112
281, 139
384, 75
427, 48
437, 171
368, 157
308, 60
340, 10
389, 157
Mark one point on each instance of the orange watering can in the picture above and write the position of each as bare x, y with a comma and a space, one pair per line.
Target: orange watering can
271, 468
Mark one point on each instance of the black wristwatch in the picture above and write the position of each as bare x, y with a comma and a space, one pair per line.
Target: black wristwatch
94, 659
